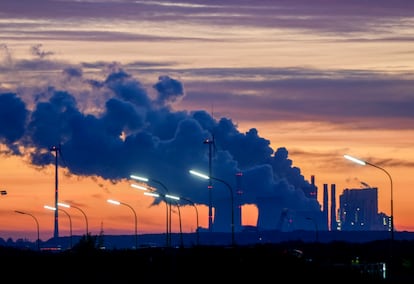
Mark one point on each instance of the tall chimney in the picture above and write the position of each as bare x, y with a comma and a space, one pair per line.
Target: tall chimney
325, 204
333, 208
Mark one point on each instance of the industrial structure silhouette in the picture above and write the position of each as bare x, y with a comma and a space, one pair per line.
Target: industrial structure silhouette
357, 211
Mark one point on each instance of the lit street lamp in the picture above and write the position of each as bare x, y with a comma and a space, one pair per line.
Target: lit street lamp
84, 215
135, 216
168, 205
153, 194
70, 220
231, 198
37, 225
175, 199
363, 163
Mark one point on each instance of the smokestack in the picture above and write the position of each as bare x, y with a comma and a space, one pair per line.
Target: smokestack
325, 204
313, 192
333, 208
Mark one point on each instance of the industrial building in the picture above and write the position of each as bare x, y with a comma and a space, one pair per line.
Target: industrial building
358, 211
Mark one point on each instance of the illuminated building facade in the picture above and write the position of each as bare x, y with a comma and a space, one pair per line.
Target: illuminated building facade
358, 211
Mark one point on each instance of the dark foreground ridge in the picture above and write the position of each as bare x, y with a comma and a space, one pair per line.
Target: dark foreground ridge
270, 263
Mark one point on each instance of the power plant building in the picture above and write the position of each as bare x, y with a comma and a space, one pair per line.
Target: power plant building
358, 211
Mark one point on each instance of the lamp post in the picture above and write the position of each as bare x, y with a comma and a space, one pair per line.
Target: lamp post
175, 199
168, 205
83, 213
137, 186
197, 226
231, 198
37, 225
135, 216
70, 221
70, 226
363, 163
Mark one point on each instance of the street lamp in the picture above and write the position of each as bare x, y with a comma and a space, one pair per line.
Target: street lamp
135, 216
231, 198
175, 199
37, 225
83, 213
137, 186
363, 163
197, 226
70, 220
167, 208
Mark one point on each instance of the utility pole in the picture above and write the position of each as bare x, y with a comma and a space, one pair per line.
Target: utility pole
210, 185
56, 149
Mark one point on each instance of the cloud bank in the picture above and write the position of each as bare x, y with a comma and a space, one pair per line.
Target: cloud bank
113, 128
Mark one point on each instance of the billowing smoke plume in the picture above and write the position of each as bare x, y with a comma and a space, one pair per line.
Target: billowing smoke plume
114, 128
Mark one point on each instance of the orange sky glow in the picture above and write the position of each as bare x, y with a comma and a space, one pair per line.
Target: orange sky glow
322, 84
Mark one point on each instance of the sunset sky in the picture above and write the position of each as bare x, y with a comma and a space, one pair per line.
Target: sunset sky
135, 87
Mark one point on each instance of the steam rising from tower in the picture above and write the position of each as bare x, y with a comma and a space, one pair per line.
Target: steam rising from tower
112, 128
